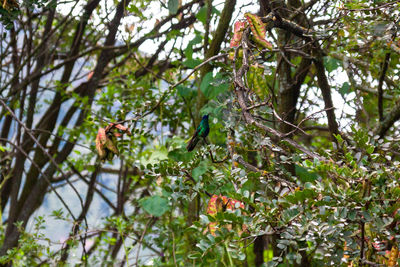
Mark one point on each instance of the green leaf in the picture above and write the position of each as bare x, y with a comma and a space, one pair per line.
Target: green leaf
158, 154
191, 63
212, 87
370, 149
132, 8
155, 205
218, 89
198, 39
331, 64
352, 215
194, 255
248, 185
304, 174
188, 51
202, 14
200, 170
339, 138
345, 89
186, 91
180, 155
173, 6
205, 83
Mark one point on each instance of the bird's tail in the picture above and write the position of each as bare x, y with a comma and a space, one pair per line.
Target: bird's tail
192, 143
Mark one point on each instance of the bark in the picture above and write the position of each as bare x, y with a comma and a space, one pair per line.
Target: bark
258, 250
326, 95
289, 87
391, 117
20, 159
289, 96
385, 66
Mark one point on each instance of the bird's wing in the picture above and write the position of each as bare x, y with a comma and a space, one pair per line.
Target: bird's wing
193, 141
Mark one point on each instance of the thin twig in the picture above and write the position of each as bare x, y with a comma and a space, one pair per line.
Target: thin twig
240, 88
48, 155
258, 105
217, 161
362, 229
372, 8
173, 248
44, 175
307, 118
169, 90
288, 123
141, 239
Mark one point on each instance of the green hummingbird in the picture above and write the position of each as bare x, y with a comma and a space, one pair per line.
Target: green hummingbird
201, 131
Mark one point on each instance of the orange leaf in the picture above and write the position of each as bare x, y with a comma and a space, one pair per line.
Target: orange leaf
212, 205
393, 256
100, 148
90, 75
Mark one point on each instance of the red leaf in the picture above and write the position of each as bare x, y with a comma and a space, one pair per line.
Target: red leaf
119, 127
258, 29
256, 25
101, 135
238, 33
216, 204
123, 128
109, 127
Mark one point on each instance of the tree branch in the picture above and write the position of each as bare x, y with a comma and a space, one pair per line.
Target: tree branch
385, 65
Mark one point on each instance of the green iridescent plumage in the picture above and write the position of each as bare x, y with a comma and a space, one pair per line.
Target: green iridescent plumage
201, 131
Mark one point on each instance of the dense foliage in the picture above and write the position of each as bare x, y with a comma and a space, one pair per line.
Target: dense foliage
99, 99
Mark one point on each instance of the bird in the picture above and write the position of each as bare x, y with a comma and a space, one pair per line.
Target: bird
201, 131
